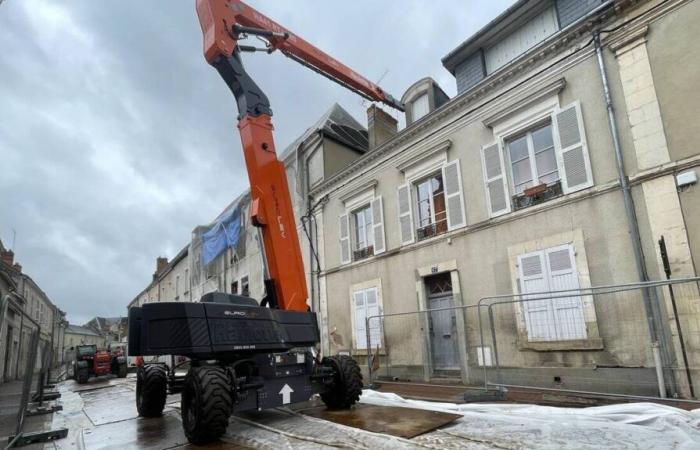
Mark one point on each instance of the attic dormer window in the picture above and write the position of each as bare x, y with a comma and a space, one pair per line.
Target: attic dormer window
421, 106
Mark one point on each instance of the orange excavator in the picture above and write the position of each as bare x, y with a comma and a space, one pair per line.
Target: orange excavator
244, 355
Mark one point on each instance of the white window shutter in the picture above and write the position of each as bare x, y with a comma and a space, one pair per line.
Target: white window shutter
568, 311
497, 196
345, 239
378, 225
454, 198
572, 151
375, 328
538, 314
403, 194
360, 312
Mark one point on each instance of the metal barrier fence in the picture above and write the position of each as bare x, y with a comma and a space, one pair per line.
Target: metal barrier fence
26, 398
637, 339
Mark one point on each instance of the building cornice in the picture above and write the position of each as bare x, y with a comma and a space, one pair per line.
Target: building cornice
559, 44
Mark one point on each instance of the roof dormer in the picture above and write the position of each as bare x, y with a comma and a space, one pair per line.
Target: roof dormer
422, 98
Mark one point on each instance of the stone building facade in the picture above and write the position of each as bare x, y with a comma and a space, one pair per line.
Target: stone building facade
512, 187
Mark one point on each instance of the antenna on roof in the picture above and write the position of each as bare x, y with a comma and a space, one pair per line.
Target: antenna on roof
363, 101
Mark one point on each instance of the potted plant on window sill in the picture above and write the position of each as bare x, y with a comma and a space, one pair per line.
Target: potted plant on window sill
535, 190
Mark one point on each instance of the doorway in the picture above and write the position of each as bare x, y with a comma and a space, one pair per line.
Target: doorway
442, 324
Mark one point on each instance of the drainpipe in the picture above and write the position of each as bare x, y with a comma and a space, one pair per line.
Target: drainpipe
632, 224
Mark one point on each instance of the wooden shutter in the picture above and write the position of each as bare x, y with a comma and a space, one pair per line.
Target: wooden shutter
345, 239
378, 225
454, 198
403, 194
568, 311
572, 151
538, 314
375, 325
360, 313
497, 197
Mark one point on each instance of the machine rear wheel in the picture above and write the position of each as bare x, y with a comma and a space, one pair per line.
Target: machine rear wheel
206, 404
151, 390
82, 376
347, 382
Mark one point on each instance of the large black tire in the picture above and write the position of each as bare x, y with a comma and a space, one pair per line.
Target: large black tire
347, 382
151, 390
207, 404
121, 372
82, 375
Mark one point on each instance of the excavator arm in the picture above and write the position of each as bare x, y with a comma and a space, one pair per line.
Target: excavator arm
224, 24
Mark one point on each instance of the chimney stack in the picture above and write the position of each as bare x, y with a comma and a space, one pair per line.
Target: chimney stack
161, 264
380, 125
8, 257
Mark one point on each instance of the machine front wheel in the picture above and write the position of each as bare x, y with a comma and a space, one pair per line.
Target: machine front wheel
207, 404
347, 382
82, 375
151, 390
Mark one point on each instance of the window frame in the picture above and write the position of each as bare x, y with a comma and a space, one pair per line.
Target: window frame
375, 285
365, 211
414, 102
531, 155
423, 177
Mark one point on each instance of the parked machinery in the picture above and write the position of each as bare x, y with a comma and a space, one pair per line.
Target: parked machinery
244, 355
90, 362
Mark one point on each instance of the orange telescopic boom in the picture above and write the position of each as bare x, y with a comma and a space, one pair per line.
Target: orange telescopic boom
224, 23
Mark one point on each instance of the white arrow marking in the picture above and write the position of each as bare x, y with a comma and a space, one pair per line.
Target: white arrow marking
286, 393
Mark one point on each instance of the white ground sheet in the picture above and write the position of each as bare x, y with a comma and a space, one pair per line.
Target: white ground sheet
484, 426
624, 426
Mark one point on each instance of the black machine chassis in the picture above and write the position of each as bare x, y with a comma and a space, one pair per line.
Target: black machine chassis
265, 352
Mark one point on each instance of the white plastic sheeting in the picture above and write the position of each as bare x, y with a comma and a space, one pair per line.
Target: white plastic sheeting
483, 426
623, 426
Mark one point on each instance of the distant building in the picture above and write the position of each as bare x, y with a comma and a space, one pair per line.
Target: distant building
82, 335
113, 329
28, 306
324, 149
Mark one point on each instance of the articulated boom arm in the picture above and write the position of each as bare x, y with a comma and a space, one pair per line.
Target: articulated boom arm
224, 23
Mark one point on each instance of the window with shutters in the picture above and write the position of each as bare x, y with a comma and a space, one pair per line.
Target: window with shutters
363, 236
365, 303
431, 204
551, 319
245, 287
362, 230
537, 162
533, 164
431, 214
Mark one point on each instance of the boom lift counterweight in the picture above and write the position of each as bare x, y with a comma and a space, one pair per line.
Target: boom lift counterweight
244, 356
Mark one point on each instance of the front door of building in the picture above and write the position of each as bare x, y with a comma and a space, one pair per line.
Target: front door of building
443, 324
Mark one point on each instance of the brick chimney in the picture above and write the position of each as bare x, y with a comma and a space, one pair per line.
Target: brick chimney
380, 125
18, 267
161, 264
8, 257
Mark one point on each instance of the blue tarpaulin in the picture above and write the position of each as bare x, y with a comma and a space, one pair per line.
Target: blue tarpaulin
223, 234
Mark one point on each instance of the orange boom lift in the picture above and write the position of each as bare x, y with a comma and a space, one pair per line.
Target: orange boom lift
244, 355
224, 24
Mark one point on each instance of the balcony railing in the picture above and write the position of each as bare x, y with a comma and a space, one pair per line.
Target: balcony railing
363, 253
537, 196
432, 229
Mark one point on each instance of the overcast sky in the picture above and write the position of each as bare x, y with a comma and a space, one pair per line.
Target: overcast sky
117, 139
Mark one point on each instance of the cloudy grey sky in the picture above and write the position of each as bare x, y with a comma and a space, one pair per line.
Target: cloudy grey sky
116, 138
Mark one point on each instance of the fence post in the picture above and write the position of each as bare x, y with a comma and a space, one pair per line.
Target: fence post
495, 346
369, 350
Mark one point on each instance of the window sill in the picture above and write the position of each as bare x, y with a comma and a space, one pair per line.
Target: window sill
556, 346
363, 352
